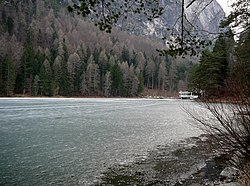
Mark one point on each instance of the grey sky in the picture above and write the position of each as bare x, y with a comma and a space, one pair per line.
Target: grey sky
225, 4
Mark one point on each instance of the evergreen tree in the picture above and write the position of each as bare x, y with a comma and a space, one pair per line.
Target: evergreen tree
10, 25
36, 85
104, 66
37, 63
150, 73
65, 88
25, 76
83, 85
117, 81
210, 75
80, 70
96, 54
9, 76
1, 77
125, 55
194, 78
240, 71
45, 78
141, 84
126, 77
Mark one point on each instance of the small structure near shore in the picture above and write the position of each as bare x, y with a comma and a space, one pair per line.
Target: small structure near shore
187, 95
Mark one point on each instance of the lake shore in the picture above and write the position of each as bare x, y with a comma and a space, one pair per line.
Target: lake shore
80, 138
195, 161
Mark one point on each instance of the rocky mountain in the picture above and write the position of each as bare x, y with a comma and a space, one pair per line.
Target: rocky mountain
201, 17
206, 15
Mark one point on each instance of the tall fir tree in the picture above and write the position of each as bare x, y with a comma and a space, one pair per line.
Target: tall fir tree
211, 74
65, 89
25, 76
45, 78
9, 76
117, 81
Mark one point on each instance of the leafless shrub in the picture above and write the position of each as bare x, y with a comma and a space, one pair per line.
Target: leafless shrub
228, 120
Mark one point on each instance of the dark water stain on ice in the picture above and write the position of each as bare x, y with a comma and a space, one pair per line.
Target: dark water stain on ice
195, 161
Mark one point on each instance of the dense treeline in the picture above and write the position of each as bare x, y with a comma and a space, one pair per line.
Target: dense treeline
209, 76
225, 66
44, 51
223, 77
225, 71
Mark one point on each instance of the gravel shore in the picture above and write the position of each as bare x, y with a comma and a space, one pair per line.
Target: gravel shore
195, 161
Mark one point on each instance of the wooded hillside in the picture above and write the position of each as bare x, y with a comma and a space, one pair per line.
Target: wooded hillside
45, 51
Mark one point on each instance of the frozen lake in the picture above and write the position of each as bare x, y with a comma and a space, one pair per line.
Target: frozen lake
72, 141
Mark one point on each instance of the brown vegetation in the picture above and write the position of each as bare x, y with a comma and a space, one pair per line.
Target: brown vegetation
54, 53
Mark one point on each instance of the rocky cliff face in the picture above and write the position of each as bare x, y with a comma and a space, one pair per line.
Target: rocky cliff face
206, 15
202, 16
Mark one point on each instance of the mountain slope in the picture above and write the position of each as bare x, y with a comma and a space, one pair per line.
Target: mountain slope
203, 16
44, 50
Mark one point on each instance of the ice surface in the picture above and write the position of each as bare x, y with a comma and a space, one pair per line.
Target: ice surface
71, 141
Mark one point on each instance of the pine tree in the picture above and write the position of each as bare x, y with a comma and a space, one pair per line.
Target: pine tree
65, 88
10, 25
36, 85
125, 55
117, 81
1, 77
83, 84
126, 77
141, 83
104, 66
150, 72
241, 69
25, 75
140, 59
45, 76
212, 73
9, 76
